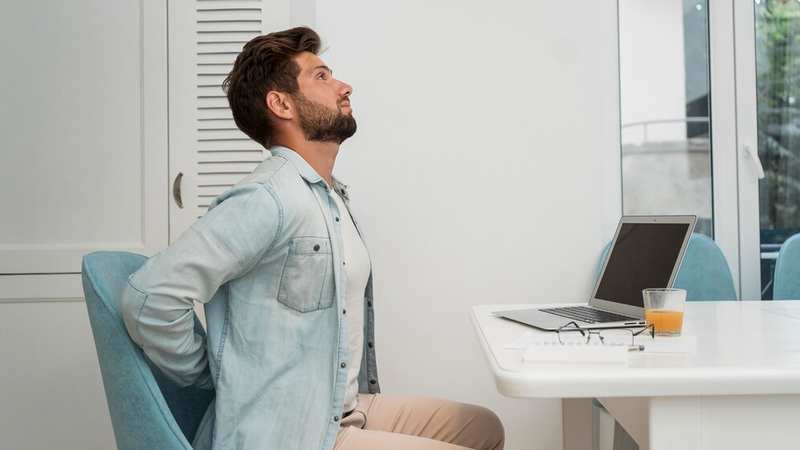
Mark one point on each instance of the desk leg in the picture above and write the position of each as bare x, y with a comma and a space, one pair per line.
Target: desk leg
709, 423
661, 422
632, 414
576, 423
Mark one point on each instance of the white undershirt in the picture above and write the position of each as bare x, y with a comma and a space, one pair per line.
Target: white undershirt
357, 268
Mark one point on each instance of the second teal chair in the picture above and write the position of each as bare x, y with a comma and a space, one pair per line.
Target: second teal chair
787, 271
704, 272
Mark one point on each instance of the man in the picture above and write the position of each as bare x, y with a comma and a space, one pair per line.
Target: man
286, 281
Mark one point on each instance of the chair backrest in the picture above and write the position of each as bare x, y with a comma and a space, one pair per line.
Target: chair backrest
147, 410
786, 281
704, 272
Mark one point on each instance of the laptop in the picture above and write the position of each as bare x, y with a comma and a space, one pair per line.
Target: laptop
646, 252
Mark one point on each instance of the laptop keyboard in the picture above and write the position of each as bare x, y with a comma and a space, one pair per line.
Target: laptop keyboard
589, 315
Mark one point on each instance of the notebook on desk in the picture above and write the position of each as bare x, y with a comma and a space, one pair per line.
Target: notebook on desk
646, 252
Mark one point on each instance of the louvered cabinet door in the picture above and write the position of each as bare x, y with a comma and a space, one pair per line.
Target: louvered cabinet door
208, 154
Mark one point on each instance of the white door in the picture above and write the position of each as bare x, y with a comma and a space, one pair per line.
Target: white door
754, 61
678, 114
768, 95
83, 137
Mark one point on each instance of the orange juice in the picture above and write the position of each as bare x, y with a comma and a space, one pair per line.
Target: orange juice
665, 321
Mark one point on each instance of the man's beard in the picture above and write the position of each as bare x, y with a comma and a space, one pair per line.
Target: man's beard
322, 124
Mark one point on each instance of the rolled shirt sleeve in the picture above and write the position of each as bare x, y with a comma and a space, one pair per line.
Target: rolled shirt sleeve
157, 302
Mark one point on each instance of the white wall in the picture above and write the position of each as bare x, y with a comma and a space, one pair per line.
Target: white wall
475, 172
475, 175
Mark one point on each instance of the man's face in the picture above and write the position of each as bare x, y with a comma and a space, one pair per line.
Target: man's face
323, 104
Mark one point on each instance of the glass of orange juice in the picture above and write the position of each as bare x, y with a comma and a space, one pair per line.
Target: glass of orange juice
663, 308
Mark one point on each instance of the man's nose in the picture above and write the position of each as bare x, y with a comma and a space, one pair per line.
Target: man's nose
346, 89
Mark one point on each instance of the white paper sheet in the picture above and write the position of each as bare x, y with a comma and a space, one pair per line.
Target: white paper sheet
608, 354
661, 344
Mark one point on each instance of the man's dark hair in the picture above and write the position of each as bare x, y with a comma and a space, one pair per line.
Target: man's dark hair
266, 64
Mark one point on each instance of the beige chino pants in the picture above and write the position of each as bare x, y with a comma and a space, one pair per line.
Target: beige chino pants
409, 422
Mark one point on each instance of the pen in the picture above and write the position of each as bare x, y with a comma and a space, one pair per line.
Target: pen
636, 348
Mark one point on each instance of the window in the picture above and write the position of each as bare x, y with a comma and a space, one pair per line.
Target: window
664, 109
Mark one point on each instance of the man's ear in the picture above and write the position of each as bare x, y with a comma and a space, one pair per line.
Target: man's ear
277, 103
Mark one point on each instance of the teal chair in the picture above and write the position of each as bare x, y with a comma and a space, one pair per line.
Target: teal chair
704, 272
148, 411
786, 281
705, 275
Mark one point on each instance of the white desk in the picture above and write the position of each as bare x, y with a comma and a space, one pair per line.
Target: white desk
740, 390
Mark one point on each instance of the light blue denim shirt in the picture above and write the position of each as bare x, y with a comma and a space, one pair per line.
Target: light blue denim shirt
267, 262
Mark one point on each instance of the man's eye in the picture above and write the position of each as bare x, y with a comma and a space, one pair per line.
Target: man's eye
322, 76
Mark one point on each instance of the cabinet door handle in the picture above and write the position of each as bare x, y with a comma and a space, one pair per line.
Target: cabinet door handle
176, 190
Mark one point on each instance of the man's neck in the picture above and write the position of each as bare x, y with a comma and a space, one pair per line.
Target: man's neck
321, 156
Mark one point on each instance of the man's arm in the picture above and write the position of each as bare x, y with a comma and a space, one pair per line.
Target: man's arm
157, 301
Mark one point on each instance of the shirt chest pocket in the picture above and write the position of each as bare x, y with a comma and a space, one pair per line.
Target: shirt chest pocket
307, 280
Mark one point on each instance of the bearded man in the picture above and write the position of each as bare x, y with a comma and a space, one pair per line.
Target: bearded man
286, 282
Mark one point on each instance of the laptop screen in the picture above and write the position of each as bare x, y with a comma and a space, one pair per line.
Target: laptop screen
643, 256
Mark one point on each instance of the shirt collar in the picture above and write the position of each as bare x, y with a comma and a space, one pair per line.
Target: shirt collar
340, 187
306, 171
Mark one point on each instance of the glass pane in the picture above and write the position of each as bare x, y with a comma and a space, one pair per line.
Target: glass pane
664, 109
778, 89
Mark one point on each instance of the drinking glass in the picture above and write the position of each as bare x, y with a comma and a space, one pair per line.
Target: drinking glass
663, 308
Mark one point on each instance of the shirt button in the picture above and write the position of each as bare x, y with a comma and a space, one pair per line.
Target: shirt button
316, 247
369, 344
337, 219
342, 365
372, 382
369, 303
344, 263
344, 311
335, 418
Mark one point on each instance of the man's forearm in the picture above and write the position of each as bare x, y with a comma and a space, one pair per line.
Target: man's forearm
163, 327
